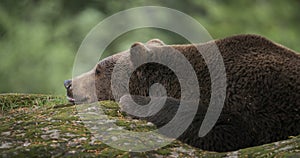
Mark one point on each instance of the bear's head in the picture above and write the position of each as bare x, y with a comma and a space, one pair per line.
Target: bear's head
95, 85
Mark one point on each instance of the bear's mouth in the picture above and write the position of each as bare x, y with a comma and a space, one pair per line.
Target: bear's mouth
70, 99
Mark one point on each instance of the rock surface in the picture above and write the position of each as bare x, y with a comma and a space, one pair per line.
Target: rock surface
35, 125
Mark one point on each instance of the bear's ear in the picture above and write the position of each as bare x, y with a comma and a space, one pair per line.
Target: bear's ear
138, 52
155, 42
138, 49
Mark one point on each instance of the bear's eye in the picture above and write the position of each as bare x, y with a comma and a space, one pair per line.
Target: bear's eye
97, 71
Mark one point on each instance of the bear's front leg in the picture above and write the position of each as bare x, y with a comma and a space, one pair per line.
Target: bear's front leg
157, 114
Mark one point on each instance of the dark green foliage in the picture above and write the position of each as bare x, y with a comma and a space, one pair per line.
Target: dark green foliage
39, 39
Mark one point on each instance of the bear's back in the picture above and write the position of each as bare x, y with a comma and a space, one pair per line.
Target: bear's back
262, 95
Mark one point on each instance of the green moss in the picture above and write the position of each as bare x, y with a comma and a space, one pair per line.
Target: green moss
11, 101
163, 151
110, 152
45, 126
123, 123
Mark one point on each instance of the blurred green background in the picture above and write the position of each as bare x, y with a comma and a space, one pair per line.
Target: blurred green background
39, 39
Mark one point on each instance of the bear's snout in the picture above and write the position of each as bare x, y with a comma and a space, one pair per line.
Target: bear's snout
68, 84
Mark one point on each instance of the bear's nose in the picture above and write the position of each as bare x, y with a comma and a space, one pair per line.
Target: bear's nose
68, 84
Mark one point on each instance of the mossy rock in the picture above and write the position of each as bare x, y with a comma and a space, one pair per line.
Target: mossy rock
34, 125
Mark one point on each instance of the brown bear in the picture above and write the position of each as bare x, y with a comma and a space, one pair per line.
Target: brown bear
262, 95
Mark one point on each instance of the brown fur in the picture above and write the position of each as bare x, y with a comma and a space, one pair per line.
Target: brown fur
263, 90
